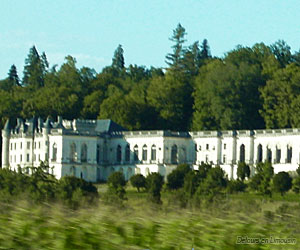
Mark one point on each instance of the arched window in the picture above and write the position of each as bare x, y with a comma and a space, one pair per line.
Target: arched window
73, 152
259, 153
119, 154
127, 153
144, 157
242, 153
98, 154
136, 153
153, 153
54, 152
174, 154
289, 154
83, 152
269, 155
278, 154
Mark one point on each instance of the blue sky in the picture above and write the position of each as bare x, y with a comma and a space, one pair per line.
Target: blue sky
91, 30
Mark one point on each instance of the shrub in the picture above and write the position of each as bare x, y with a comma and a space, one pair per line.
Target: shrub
154, 183
175, 179
138, 181
116, 182
236, 186
243, 171
282, 182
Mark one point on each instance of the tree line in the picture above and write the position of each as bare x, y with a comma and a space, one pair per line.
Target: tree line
248, 88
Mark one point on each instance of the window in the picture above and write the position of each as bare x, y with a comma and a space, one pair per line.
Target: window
39, 157
259, 153
15, 158
224, 159
144, 156
289, 154
34, 157
83, 153
174, 154
119, 153
20, 158
127, 153
11, 146
27, 158
278, 155
136, 153
98, 153
39, 144
200, 148
269, 155
207, 146
54, 152
20, 145
73, 153
195, 152
242, 153
206, 159
15, 145
153, 153
224, 145
35, 145
28, 145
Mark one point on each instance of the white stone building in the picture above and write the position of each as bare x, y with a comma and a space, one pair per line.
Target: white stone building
93, 149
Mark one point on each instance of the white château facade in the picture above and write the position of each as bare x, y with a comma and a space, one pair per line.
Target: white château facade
93, 149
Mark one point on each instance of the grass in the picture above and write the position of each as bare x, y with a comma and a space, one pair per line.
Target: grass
138, 224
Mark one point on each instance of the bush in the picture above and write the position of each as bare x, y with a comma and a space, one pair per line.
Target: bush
243, 171
138, 181
74, 191
213, 183
154, 183
282, 182
116, 182
175, 179
234, 186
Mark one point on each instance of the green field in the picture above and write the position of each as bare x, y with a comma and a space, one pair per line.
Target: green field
136, 223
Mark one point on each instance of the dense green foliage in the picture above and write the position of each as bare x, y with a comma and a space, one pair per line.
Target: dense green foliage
154, 184
40, 187
138, 181
282, 182
175, 179
249, 88
243, 171
116, 182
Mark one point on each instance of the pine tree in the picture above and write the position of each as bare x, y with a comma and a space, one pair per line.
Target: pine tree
13, 76
35, 69
174, 60
118, 61
205, 50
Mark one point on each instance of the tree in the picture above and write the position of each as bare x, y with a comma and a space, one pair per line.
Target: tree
214, 182
243, 171
282, 182
174, 60
175, 179
35, 69
282, 52
116, 182
13, 76
138, 181
261, 180
205, 50
118, 61
154, 183
280, 95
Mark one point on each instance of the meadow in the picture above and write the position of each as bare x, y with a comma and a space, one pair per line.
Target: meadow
137, 223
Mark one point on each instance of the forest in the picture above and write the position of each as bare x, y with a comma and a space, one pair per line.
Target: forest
248, 88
